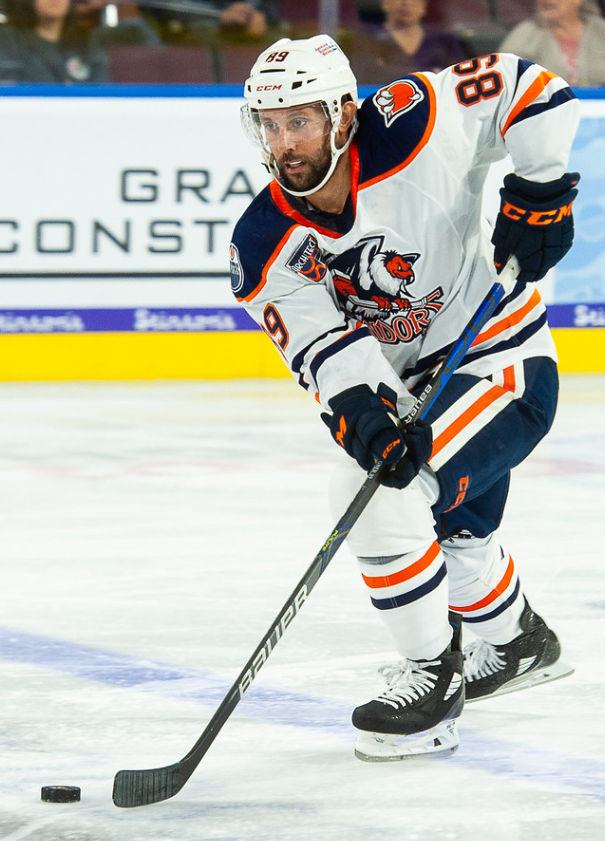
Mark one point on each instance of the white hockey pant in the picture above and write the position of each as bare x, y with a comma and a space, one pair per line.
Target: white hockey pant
412, 579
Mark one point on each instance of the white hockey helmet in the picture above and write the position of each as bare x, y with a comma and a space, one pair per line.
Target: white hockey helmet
302, 72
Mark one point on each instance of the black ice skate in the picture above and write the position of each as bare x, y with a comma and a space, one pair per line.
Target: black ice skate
416, 715
528, 660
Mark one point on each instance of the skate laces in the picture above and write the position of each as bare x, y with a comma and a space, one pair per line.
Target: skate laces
407, 682
482, 659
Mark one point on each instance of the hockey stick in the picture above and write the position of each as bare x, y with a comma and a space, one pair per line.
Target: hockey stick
139, 788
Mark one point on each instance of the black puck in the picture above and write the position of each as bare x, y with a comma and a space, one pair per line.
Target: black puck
60, 794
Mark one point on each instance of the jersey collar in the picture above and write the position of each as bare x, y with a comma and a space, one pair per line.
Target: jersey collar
321, 222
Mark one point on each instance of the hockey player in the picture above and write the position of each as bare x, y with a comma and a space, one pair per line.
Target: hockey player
363, 260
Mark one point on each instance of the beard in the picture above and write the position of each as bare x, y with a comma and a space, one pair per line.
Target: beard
315, 170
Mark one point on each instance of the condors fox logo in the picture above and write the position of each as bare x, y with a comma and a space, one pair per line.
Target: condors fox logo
397, 98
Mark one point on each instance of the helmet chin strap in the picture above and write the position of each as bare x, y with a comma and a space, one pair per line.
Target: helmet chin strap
336, 153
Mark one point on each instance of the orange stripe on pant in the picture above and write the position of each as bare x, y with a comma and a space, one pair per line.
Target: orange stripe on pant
510, 383
498, 590
378, 581
465, 418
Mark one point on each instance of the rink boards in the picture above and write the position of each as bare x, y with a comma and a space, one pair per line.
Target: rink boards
117, 210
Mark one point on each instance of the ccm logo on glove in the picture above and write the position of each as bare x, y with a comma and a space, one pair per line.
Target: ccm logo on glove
535, 217
366, 425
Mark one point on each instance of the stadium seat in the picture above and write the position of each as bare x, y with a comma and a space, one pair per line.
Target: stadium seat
161, 65
236, 62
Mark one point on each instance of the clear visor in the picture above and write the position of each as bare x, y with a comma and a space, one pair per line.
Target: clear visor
275, 129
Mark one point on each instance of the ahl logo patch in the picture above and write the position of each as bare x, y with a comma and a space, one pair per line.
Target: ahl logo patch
307, 260
236, 270
397, 98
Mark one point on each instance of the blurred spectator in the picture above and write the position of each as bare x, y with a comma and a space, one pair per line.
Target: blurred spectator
246, 17
565, 36
41, 42
250, 19
402, 44
115, 23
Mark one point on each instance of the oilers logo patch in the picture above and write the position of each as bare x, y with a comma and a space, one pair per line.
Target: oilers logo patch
397, 98
236, 270
307, 260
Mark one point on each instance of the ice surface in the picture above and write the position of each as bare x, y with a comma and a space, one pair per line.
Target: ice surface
150, 535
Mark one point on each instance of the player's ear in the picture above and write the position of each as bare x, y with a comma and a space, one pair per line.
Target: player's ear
347, 116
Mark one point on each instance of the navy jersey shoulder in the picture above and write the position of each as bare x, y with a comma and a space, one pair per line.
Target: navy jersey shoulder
394, 124
255, 240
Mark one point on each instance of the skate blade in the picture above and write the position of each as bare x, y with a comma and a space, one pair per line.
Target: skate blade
439, 741
547, 674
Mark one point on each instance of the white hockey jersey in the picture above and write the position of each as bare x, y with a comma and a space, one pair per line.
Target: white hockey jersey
380, 292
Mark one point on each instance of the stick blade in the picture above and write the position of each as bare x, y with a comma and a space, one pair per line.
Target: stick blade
140, 788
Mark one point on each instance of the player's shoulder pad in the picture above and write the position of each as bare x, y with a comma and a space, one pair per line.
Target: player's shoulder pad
257, 240
394, 124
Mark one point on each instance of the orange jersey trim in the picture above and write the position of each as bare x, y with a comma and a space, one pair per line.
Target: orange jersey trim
510, 320
378, 581
534, 90
283, 204
498, 590
420, 145
268, 265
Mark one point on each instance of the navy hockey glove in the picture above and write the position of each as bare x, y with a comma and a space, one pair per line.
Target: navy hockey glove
418, 439
534, 223
366, 425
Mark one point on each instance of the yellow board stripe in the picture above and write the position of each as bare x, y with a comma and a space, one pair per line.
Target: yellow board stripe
131, 356
150, 356
580, 351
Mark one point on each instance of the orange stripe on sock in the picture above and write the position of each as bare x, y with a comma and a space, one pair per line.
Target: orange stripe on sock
465, 418
510, 320
377, 581
498, 590
533, 92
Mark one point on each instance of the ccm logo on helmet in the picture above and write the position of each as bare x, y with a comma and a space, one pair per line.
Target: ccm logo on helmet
268, 88
396, 99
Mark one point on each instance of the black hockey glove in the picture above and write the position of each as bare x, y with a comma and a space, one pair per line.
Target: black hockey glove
534, 223
366, 425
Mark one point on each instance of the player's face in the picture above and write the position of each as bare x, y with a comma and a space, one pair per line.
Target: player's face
299, 139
